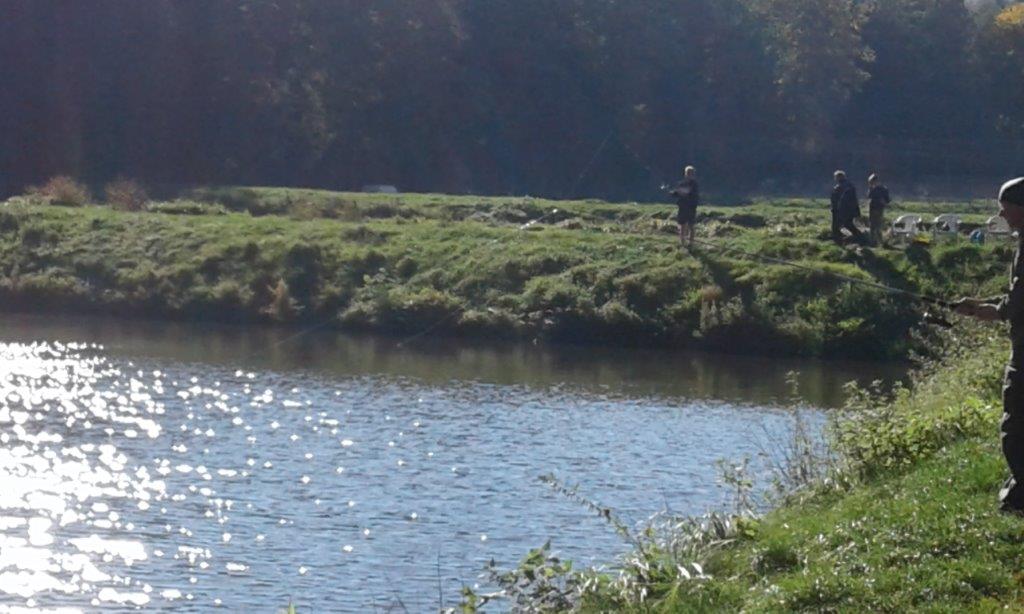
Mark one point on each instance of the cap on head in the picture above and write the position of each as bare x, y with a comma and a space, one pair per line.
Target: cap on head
689, 170
839, 175
1012, 192
873, 178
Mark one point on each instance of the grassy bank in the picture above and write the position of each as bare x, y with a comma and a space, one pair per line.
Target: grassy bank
904, 519
591, 272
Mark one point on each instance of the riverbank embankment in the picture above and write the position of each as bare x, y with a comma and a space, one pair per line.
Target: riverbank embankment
902, 517
504, 268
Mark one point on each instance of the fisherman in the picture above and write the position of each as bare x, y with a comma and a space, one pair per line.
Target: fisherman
687, 194
878, 195
1009, 308
845, 208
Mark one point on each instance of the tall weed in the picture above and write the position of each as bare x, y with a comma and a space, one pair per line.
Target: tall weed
126, 195
63, 190
952, 395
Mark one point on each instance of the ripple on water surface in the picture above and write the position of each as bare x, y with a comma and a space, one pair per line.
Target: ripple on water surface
142, 484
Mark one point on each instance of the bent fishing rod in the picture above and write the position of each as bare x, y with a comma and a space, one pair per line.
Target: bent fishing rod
924, 298
929, 317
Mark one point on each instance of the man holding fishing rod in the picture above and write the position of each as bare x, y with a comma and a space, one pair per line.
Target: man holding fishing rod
687, 194
1009, 308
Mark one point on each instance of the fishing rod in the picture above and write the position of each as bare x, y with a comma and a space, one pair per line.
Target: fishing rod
930, 317
924, 298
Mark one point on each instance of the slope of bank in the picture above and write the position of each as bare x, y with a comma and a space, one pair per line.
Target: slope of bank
904, 519
586, 273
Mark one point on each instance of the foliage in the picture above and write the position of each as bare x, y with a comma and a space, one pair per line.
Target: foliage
666, 559
908, 523
819, 42
282, 307
879, 433
454, 265
1002, 48
126, 195
1011, 18
63, 190
594, 97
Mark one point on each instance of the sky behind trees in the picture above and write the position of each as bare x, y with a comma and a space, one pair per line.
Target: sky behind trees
559, 98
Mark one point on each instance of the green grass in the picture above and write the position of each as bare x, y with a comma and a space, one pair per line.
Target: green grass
929, 539
911, 522
906, 520
592, 272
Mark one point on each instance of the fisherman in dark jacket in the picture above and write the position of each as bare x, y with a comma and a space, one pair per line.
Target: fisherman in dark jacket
1009, 308
687, 194
878, 197
845, 208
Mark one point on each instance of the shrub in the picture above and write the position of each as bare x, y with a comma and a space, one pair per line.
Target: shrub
407, 267
126, 195
63, 190
282, 307
711, 293
551, 293
954, 396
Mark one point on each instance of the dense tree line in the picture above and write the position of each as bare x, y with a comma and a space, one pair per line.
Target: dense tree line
549, 97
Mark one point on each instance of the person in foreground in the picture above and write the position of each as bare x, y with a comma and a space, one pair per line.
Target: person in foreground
687, 194
1009, 308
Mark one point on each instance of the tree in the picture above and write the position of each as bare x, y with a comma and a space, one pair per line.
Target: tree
1002, 55
820, 62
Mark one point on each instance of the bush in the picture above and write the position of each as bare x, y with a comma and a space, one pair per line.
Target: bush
954, 396
546, 293
63, 190
282, 307
126, 195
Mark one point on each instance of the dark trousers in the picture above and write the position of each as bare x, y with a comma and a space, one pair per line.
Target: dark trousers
848, 224
1012, 438
876, 221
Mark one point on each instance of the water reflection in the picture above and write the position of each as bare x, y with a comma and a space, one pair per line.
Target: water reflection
64, 485
437, 360
186, 469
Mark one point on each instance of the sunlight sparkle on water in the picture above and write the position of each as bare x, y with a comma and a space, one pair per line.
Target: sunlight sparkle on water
187, 485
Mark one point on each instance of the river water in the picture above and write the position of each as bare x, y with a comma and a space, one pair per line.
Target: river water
184, 467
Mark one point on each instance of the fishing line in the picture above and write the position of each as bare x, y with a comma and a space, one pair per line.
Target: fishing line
462, 309
593, 159
435, 325
931, 300
853, 280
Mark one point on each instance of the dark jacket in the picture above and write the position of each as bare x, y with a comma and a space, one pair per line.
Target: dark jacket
844, 201
878, 197
687, 193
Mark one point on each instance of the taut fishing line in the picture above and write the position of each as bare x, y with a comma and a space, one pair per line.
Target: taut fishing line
853, 280
435, 325
931, 300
